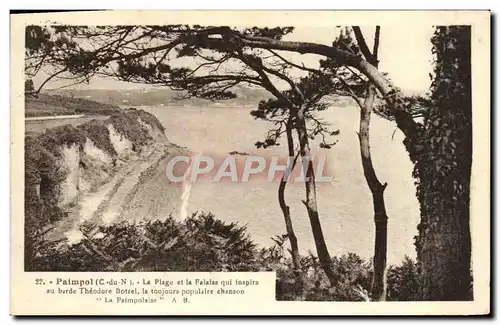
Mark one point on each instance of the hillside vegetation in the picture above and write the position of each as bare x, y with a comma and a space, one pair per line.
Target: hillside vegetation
53, 104
202, 243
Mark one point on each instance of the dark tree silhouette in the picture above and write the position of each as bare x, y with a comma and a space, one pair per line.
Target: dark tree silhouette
357, 88
443, 169
29, 86
306, 95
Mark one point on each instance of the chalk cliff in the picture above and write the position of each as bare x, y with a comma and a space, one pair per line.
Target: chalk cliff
102, 171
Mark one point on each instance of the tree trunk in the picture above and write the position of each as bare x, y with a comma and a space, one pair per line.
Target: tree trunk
310, 202
444, 170
294, 246
379, 283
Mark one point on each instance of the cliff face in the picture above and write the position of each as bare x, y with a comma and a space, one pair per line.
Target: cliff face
79, 172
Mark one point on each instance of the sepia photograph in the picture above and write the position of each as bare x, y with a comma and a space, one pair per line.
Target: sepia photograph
337, 156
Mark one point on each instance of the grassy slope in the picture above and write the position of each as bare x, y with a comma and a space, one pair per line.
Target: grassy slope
49, 105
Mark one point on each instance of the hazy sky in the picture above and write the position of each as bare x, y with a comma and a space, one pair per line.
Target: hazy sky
405, 53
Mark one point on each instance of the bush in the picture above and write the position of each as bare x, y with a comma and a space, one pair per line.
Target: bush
353, 272
97, 131
65, 135
41, 190
402, 281
200, 243
41, 169
205, 244
147, 117
129, 126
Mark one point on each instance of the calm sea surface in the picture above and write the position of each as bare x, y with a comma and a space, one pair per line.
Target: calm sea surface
345, 206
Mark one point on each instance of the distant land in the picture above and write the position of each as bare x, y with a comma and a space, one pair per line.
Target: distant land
246, 96
147, 96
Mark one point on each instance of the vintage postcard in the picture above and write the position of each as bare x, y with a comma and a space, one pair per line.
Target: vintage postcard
250, 163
